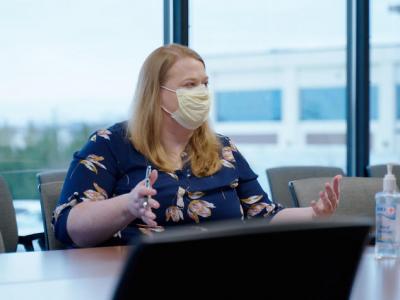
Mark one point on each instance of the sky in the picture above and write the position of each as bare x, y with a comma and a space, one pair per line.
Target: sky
68, 61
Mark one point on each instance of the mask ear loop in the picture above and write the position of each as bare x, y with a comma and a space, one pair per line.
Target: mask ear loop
166, 110
168, 89
162, 107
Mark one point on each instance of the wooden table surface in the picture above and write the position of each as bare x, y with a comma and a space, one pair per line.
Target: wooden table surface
63, 274
377, 279
92, 274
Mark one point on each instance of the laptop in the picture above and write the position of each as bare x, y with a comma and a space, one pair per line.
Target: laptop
256, 260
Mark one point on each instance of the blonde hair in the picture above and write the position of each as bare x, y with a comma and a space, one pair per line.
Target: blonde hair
144, 127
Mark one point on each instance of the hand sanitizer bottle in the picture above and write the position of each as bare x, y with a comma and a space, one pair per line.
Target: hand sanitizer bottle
387, 239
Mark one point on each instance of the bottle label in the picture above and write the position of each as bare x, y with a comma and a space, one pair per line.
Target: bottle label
386, 225
387, 211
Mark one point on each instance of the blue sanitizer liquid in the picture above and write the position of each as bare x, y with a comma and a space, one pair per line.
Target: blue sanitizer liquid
387, 239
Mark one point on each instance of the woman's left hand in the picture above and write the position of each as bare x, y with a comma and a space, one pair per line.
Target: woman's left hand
328, 199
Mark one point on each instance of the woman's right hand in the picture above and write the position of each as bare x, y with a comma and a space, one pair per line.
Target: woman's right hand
137, 195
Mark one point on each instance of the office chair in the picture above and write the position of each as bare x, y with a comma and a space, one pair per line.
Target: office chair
50, 186
8, 223
2, 248
357, 194
381, 170
279, 178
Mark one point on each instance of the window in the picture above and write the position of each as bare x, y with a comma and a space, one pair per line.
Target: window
67, 68
373, 103
323, 103
330, 103
253, 105
385, 73
257, 72
398, 102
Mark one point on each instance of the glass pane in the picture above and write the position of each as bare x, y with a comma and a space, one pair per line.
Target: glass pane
398, 102
67, 68
385, 79
231, 107
277, 70
317, 103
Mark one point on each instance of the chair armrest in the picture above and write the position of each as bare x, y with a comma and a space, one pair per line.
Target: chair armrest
27, 240
2, 248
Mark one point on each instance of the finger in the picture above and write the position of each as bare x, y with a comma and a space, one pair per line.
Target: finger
331, 195
316, 208
327, 205
336, 186
328, 190
153, 204
153, 177
150, 215
143, 191
314, 205
149, 222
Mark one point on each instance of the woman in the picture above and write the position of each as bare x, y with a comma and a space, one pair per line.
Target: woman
197, 175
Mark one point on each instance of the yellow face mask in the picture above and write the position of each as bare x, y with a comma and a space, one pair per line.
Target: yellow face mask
193, 106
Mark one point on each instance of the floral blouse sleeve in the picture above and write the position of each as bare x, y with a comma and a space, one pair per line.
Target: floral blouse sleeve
91, 177
254, 201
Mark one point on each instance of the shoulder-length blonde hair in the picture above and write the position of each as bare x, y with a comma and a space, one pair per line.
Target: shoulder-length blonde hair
145, 125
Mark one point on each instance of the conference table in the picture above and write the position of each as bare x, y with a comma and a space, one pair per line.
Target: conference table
93, 273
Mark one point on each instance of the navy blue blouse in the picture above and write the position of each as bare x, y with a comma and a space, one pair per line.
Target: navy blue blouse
108, 166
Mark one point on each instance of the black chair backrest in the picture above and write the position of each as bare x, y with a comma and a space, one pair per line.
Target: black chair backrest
50, 186
357, 194
280, 177
380, 171
253, 259
8, 221
2, 248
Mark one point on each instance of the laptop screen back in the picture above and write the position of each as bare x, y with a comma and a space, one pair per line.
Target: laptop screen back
291, 261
